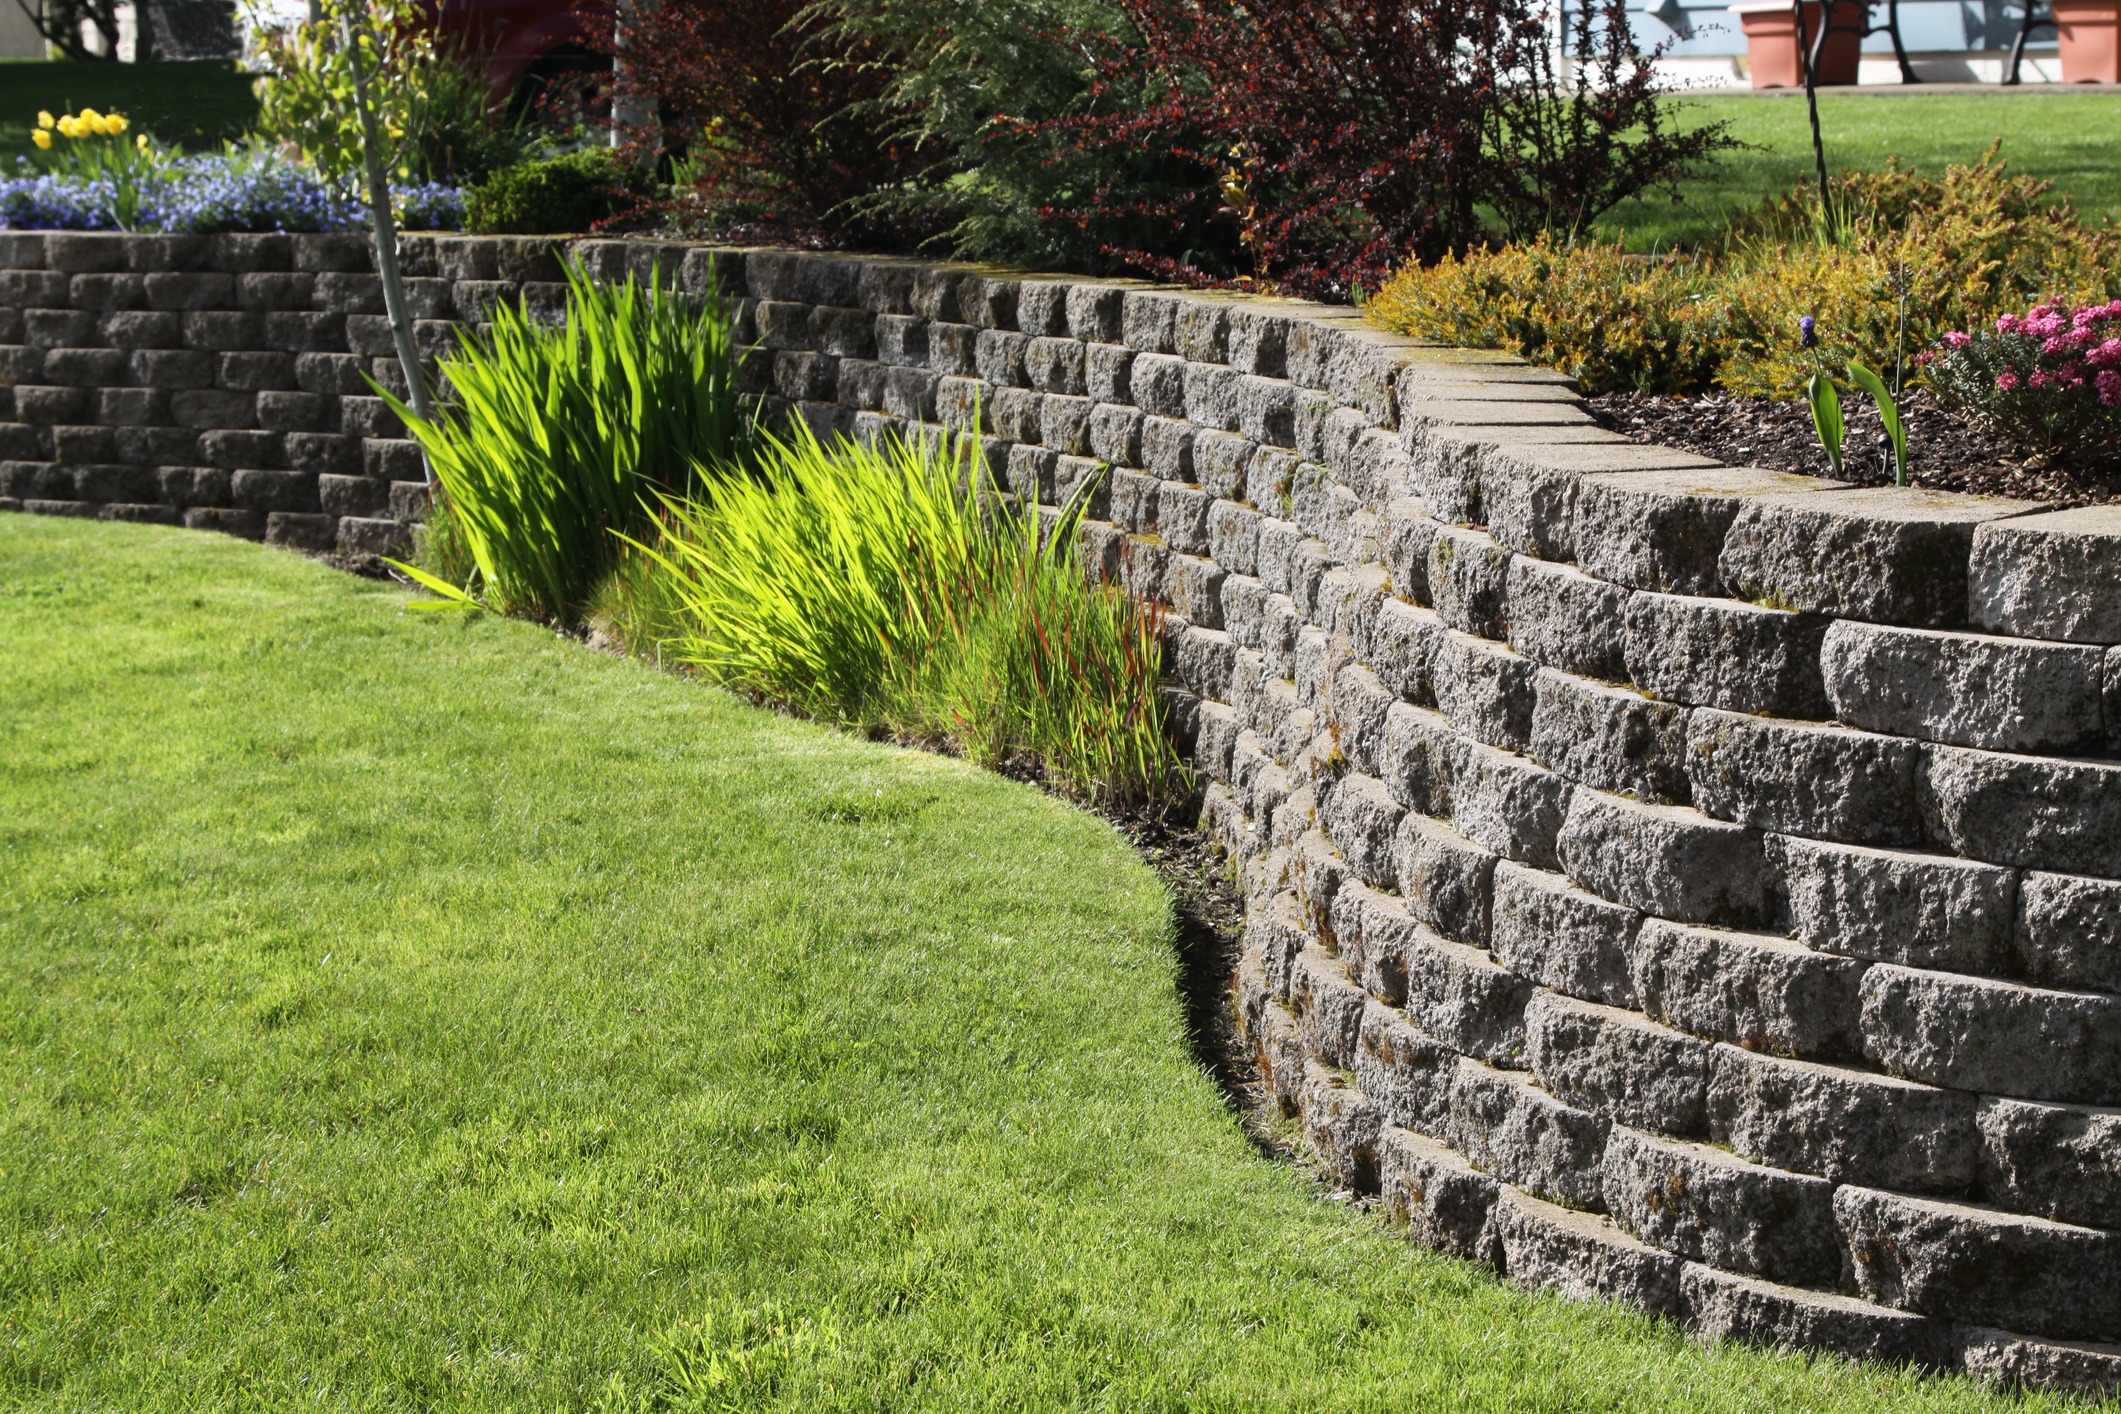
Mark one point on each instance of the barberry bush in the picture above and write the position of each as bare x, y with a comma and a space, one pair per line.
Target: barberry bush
2048, 379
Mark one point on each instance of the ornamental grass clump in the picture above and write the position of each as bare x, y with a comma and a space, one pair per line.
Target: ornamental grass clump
893, 589
561, 433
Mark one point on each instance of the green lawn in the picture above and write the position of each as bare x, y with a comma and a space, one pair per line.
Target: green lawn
2071, 139
197, 105
406, 1012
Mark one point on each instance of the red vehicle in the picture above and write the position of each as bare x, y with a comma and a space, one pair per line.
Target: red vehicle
531, 46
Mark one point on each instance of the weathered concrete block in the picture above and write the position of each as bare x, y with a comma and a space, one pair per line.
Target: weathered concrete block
1484, 688
1754, 990
1506, 1125
1115, 434
1266, 410
1327, 1006
1449, 462
1664, 859
1409, 532
1401, 647
1852, 1126
1435, 1196
1167, 448
2056, 1161
1406, 1074
1978, 1265
2056, 575
1342, 1127
1361, 817
2004, 694
1233, 536
902, 340
2069, 931
1580, 1255
1468, 578
1562, 618
2027, 1362
1445, 878
1724, 1306
1892, 555
1211, 391
1549, 930
359, 496
1618, 1064
1711, 1205
1506, 803
1056, 365
1720, 653
1612, 738
1664, 530
1220, 460
298, 530
1805, 779
2002, 1038
1925, 910
2063, 816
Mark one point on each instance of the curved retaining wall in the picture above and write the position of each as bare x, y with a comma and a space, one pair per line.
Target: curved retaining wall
1678, 883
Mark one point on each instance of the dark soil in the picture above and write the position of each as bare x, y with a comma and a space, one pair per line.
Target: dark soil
1944, 452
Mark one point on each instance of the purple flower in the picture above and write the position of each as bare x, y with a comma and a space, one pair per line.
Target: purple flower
1808, 336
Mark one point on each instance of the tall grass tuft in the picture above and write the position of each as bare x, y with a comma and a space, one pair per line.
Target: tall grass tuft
559, 433
892, 588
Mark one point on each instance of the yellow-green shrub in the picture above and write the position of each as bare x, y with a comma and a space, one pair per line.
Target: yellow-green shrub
1975, 244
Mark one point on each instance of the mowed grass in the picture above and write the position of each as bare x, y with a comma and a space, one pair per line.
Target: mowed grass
2066, 138
193, 105
399, 1011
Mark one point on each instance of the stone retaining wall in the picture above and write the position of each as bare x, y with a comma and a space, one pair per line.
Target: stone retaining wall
1684, 884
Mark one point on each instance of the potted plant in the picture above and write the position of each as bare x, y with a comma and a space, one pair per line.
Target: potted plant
1771, 39
2090, 33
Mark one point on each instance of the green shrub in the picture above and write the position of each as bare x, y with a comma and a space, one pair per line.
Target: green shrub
559, 431
890, 588
1971, 246
552, 195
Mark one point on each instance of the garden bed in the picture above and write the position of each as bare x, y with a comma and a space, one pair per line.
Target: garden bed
1944, 452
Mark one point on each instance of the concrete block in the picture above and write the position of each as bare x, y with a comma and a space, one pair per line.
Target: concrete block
1664, 859
1800, 778
1848, 1125
1712, 652
2016, 1361
1506, 803
2004, 694
1549, 1248
1618, 1064
1468, 579
1710, 1205
1114, 433
1484, 689
1406, 1074
1445, 879
1992, 1036
1556, 934
1925, 910
1724, 1306
2069, 931
2061, 816
1755, 990
1664, 530
1505, 1125
2055, 1161
1613, 738
1433, 1195
2056, 575
1977, 1265
1562, 618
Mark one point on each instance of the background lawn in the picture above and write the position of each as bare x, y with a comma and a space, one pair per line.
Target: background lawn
2069, 139
406, 1012
197, 105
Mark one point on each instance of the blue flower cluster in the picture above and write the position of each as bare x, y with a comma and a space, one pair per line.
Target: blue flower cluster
233, 190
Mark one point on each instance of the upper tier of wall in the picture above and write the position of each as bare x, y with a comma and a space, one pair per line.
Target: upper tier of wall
1683, 883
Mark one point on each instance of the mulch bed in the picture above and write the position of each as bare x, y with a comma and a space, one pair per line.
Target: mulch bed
1944, 452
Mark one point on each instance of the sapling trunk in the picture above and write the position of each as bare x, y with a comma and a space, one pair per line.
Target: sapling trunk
1805, 56
385, 226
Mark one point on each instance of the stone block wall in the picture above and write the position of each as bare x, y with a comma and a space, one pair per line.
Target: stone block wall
1683, 884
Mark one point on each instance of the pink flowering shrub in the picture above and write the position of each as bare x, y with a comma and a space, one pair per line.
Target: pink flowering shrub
2048, 379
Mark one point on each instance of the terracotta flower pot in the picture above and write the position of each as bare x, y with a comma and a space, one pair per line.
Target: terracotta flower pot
2091, 40
1771, 40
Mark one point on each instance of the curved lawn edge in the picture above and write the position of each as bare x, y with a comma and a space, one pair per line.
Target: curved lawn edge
404, 1010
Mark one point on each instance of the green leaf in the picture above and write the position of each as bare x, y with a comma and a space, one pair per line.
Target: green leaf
1888, 413
455, 597
1827, 421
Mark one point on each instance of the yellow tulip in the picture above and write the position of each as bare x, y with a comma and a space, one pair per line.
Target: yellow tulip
70, 126
44, 118
42, 138
116, 123
90, 116
140, 141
